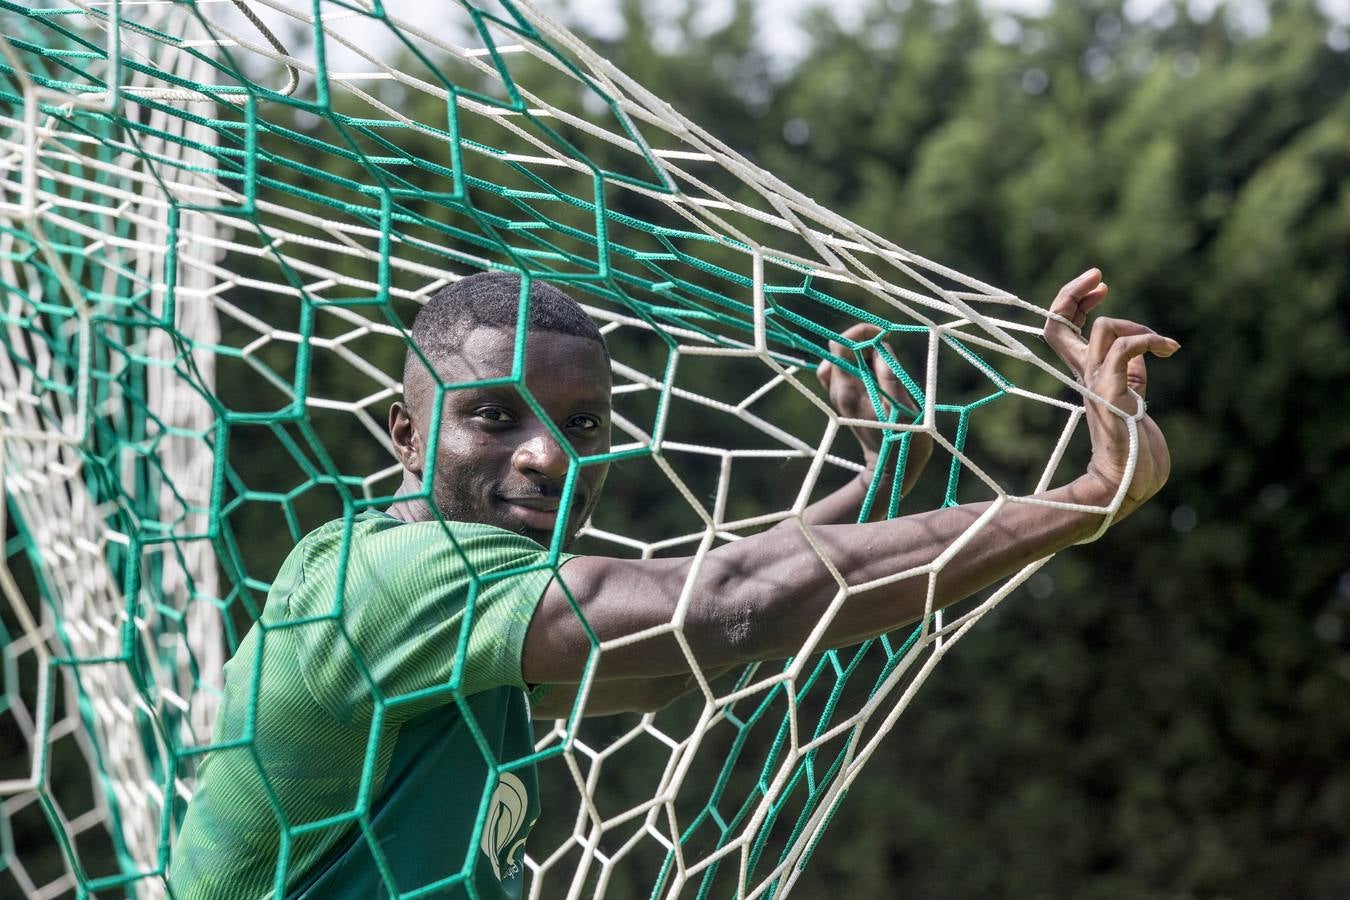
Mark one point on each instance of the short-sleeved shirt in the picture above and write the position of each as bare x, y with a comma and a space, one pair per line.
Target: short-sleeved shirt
374, 722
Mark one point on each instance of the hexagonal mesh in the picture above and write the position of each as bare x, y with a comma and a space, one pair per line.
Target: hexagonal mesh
216, 231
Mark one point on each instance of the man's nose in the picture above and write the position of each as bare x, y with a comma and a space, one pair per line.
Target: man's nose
541, 456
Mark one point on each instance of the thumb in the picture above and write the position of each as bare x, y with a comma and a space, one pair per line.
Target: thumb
825, 373
1136, 375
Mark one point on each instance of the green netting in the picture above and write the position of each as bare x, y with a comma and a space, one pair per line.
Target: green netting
215, 230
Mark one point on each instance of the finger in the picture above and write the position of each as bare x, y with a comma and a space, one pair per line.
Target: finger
1124, 362
890, 383
855, 334
1071, 295
1079, 316
824, 371
1107, 332
881, 367
1136, 376
1072, 304
847, 394
1076, 299
859, 332
1088, 302
1068, 346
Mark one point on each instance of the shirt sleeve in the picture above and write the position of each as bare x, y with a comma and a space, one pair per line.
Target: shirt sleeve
412, 615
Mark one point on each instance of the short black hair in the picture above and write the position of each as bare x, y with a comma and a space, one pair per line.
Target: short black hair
493, 299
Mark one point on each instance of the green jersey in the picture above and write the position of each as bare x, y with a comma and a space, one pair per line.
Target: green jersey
374, 723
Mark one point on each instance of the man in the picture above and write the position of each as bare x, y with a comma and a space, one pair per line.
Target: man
376, 720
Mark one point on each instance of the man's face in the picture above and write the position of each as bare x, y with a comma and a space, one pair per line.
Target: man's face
495, 460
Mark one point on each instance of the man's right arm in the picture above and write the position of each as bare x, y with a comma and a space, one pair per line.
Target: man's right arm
762, 597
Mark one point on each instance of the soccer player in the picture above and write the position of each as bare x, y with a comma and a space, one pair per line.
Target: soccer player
359, 724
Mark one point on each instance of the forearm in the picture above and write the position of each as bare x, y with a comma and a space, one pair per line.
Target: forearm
759, 598
619, 695
605, 698
842, 506
784, 597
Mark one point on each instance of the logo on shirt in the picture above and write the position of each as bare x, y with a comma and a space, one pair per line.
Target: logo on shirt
505, 830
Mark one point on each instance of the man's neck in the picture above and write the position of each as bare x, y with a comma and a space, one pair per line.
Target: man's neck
414, 507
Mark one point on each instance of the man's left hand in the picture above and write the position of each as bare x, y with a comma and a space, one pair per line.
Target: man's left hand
850, 399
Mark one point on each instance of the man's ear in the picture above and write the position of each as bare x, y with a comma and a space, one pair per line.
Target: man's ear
408, 444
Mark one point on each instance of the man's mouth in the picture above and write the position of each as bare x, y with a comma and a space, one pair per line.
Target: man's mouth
535, 512
542, 504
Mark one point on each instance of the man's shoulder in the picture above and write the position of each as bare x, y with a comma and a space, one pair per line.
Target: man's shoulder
396, 595
379, 532
376, 526
373, 545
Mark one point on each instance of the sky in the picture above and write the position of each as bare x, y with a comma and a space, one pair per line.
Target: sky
783, 37
779, 31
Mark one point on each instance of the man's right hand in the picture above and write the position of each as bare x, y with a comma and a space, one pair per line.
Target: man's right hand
1110, 364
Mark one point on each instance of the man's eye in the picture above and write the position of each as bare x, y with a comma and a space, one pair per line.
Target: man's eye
492, 414
584, 423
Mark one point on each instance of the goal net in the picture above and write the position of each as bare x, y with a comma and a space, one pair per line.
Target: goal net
217, 220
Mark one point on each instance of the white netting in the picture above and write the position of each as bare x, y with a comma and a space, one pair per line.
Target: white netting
213, 240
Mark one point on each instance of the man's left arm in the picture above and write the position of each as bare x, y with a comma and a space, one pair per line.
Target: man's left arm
848, 395
606, 698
